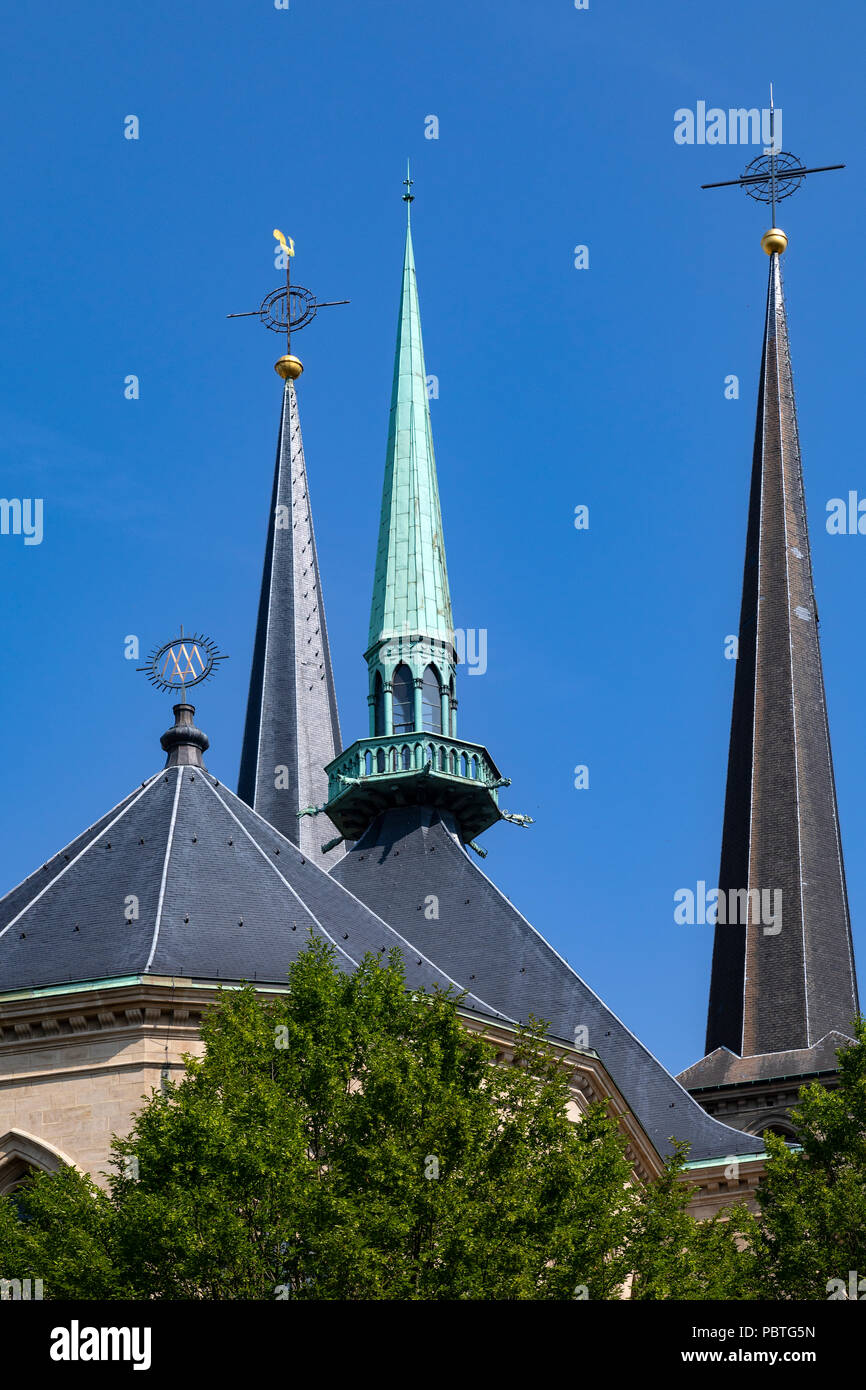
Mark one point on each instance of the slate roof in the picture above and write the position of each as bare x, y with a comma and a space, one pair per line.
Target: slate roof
408, 855
722, 1068
292, 727
223, 896
220, 895
780, 991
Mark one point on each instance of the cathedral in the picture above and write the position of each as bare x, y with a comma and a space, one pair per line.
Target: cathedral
111, 950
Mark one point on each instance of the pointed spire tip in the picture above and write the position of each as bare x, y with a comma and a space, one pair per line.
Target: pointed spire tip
408, 196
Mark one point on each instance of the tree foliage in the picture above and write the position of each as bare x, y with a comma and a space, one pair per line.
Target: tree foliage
353, 1140
812, 1226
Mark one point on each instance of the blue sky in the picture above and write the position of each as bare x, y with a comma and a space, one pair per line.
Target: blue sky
558, 387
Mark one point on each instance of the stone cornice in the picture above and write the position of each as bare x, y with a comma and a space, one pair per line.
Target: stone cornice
143, 1006
46, 1019
589, 1083
718, 1183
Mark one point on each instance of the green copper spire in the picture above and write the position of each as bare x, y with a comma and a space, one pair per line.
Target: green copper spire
410, 590
412, 755
411, 655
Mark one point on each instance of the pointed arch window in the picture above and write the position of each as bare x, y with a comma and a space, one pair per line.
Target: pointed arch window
431, 701
14, 1177
21, 1154
785, 1131
379, 706
404, 700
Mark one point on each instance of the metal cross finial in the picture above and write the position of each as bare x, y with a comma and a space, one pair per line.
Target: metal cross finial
290, 306
408, 196
775, 174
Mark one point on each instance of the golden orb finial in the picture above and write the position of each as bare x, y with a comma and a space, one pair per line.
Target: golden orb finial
774, 241
289, 367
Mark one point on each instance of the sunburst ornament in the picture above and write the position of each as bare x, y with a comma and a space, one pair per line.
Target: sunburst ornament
184, 661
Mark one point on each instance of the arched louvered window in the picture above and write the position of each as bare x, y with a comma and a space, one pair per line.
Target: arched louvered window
404, 701
379, 706
431, 701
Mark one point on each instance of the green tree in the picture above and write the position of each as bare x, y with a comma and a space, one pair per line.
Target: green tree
675, 1257
812, 1226
353, 1140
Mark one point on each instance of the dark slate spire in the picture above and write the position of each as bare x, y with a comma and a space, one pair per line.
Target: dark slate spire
777, 990
292, 727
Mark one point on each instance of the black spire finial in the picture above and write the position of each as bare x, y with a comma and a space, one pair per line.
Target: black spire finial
408, 196
183, 742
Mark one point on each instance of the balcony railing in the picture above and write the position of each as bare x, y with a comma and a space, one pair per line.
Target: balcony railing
387, 755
